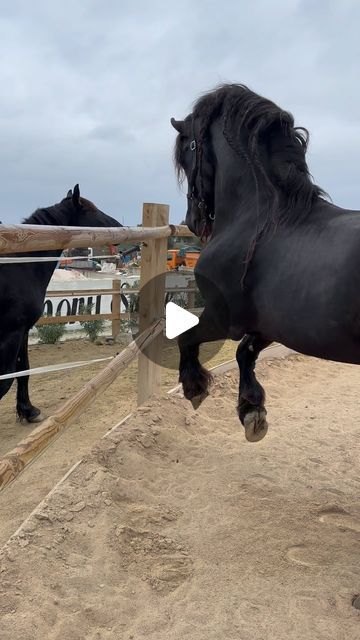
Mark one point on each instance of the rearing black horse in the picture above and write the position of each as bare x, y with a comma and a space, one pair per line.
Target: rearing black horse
23, 288
282, 264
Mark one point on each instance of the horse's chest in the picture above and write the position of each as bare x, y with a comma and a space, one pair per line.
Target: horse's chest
21, 311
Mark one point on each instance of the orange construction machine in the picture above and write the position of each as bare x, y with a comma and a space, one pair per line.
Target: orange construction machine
186, 256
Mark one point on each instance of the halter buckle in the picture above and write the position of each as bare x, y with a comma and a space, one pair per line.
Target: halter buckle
192, 145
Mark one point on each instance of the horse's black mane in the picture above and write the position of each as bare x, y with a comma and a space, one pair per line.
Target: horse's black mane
58, 213
249, 122
54, 215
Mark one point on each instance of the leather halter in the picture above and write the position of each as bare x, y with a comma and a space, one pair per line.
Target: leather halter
197, 195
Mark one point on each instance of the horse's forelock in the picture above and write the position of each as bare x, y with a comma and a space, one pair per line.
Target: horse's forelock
179, 170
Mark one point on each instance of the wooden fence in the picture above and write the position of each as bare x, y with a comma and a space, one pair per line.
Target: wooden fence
115, 315
153, 233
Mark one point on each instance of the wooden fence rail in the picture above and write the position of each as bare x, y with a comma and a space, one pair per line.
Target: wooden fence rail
32, 237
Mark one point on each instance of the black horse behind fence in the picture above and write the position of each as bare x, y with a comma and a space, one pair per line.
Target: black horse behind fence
281, 260
22, 293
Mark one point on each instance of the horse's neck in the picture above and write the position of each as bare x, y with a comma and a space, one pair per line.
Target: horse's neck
241, 201
58, 215
45, 270
237, 208
52, 216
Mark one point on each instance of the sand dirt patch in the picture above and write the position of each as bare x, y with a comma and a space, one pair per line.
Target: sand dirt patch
175, 527
49, 392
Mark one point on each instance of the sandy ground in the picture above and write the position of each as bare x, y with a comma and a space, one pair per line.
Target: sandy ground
49, 391
175, 527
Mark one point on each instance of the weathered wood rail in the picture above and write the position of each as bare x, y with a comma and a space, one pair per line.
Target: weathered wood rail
22, 238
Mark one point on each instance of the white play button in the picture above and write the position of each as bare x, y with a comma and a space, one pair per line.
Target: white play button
178, 320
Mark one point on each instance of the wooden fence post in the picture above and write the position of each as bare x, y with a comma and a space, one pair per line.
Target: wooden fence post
116, 308
151, 304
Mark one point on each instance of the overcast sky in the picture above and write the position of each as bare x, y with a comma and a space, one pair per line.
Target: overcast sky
88, 89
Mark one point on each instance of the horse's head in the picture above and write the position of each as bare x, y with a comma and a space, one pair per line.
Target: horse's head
194, 161
242, 156
84, 213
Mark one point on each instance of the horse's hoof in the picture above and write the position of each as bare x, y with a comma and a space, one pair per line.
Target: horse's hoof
34, 419
197, 400
255, 425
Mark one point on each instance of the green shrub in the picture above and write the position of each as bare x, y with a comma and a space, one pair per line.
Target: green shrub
50, 333
199, 300
92, 328
130, 323
133, 298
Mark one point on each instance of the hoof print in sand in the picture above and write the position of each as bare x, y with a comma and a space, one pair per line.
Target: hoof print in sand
340, 518
306, 556
159, 560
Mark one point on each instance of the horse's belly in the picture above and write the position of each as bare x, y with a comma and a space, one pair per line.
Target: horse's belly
343, 349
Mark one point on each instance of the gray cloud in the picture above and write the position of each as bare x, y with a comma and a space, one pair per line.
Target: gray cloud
88, 90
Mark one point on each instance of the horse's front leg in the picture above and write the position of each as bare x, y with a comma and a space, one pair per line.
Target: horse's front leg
251, 407
194, 377
9, 349
25, 410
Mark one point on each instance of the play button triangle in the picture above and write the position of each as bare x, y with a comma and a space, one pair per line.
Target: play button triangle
178, 320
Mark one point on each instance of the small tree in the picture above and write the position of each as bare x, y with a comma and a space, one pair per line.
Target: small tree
131, 303
92, 328
50, 333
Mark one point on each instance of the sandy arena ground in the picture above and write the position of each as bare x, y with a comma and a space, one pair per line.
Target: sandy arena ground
175, 527
49, 391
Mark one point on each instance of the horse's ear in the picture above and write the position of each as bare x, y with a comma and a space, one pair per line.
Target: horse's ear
178, 125
76, 196
69, 193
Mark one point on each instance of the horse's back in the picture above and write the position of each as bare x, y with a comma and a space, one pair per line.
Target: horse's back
307, 286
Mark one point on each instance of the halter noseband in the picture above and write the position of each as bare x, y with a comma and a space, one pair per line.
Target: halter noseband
197, 170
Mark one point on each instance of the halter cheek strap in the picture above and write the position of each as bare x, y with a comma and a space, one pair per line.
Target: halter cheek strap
197, 170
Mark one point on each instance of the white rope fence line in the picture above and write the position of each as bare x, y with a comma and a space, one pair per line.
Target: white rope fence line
18, 259
53, 367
